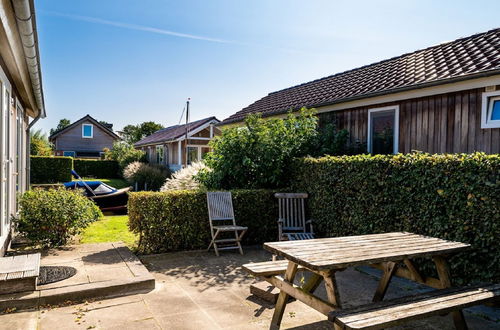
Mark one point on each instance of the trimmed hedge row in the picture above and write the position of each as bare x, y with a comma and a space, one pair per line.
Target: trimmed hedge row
178, 220
453, 197
50, 169
97, 168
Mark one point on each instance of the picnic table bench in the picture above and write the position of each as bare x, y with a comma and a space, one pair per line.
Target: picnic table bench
393, 253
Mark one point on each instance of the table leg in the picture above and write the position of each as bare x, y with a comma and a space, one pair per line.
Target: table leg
279, 309
443, 270
389, 270
312, 284
332, 290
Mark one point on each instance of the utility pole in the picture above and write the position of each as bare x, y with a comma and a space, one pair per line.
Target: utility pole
187, 128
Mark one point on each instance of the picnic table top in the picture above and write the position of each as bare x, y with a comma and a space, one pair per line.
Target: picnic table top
341, 252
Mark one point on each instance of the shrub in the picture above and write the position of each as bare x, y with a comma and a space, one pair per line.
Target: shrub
453, 197
257, 155
124, 154
146, 176
51, 217
178, 220
97, 168
50, 169
185, 179
39, 144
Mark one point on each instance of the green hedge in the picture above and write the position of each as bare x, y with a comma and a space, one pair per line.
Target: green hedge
97, 168
50, 169
178, 220
454, 197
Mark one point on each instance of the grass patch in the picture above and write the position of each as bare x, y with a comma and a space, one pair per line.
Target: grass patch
115, 183
111, 228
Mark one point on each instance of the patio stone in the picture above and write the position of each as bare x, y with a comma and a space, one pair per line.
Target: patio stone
201, 291
99, 274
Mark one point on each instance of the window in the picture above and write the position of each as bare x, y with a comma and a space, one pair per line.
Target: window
87, 131
204, 152
383, 130
159, 154
490, 110
192, 155
68, 153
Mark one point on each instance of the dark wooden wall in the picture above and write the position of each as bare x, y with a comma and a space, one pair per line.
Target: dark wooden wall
445, 123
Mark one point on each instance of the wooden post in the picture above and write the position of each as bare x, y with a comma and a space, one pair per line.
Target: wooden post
279, 309
332, 289
389, 270
443, 270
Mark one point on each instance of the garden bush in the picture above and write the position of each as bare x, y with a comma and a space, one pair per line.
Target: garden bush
50, 169
124, 154
453, 197
178, 220
146, 176
50, 217
185, 179
97, 168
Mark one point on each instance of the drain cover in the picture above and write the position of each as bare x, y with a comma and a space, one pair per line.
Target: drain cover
51, 274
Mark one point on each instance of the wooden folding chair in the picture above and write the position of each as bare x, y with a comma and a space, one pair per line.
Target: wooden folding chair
221, 217
292, 222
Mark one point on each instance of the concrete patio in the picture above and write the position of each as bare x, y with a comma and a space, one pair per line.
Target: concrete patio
196, 290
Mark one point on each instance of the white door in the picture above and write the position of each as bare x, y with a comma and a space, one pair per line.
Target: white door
5, 152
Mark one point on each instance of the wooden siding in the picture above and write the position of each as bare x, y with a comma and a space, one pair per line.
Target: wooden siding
72, 140
445, 123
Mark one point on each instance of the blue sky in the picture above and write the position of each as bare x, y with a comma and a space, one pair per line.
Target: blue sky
129, 61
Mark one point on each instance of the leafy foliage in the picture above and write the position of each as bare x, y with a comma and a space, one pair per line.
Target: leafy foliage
39, 144
124, 154
134, 133
146, 176
50, 169
454, 197
257, 155
63, 123
178, 220
97, 168
51, 217
185, 179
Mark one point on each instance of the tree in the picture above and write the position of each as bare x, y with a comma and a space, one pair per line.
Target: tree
134, 133
39, 144
259, 154
63, 123
124, 154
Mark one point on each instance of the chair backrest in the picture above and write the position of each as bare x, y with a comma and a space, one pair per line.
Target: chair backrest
220, 206
292, 210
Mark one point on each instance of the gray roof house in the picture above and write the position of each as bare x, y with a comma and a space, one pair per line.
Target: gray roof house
441, 99
85, 138
170, 147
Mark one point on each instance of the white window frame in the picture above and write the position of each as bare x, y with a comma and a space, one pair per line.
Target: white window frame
394, 108
91, 131
157, 154
65, 151
486, 109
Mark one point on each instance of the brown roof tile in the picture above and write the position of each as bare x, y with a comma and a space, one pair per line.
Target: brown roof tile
459, 59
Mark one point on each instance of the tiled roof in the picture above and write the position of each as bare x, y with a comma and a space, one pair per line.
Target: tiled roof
173, 132
464, 58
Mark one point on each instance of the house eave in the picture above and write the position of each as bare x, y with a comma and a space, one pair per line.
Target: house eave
486, 74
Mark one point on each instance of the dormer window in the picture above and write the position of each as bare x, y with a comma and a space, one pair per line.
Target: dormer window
490, 111
87, 131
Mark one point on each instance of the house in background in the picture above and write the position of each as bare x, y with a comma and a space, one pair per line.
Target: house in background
21, 97
85, 138
170, 147
442, 99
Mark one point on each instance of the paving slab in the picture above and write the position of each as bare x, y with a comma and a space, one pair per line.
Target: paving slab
107, 269
197, 290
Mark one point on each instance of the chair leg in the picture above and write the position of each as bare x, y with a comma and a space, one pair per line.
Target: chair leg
214, 237
238, 238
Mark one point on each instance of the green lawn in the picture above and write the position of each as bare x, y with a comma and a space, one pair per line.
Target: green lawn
115, 183
111, 228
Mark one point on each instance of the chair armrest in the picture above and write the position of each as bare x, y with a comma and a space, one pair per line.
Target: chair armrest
309, 221
280, 221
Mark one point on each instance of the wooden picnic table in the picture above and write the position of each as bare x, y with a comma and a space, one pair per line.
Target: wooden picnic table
325, 256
